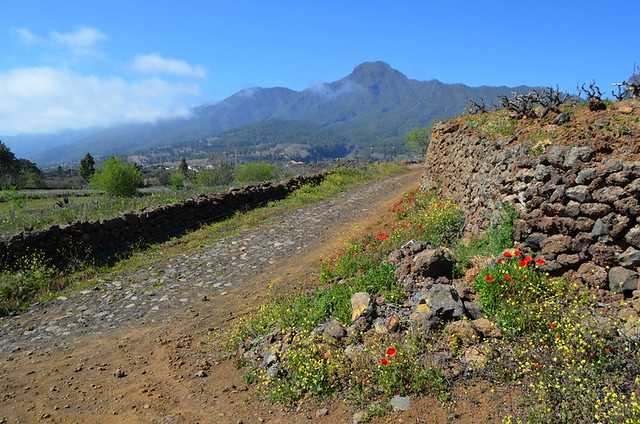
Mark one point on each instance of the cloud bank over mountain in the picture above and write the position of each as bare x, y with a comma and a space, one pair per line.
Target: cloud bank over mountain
63, 90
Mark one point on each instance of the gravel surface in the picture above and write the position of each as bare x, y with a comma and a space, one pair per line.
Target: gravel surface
170, 287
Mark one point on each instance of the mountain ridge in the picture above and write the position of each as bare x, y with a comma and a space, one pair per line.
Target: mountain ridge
375, 103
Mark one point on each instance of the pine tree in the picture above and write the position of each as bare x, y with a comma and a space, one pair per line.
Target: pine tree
184, 168
87, 167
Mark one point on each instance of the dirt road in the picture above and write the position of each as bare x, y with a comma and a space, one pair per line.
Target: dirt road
129, 350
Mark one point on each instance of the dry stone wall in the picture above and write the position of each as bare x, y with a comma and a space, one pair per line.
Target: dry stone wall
580, 214
64, 243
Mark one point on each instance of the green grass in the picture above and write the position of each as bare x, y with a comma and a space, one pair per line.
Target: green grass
496, 239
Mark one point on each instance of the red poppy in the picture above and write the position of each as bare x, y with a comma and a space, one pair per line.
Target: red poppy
489, 278
330, 269
391, 352
523, 263
420, 226
339, 254
528, 259
517, 252
540, 262
500, 261
507, 254
552, 325
537, 365
506, 277
320, 259
384, 361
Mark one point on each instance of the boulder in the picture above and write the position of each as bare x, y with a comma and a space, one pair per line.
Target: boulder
441, 300
360, 305
463, 332
433, 263
333, 330
585, 176
630, 258
633, 236
623, 280
354, 352
401, 403
595, 210
556, 155
579, 193
556, 244
582, 153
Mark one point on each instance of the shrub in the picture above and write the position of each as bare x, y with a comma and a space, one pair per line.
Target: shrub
221, 173
176, 179
257, 171
117, 178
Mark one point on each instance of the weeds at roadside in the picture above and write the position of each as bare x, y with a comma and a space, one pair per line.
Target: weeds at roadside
555, 346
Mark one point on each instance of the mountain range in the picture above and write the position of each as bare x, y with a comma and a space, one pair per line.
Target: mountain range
371, 108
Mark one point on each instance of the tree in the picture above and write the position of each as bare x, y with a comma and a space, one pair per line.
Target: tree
18, 172
176, 180
87, 167
117, 178
219, 172
183, 167
7, 159
418, 140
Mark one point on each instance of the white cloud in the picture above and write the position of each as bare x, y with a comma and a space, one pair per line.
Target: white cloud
44, 99
326, 90
81, 43
84, 38
155, 64
26, 36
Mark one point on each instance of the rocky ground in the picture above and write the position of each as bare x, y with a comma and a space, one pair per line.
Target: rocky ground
129, 349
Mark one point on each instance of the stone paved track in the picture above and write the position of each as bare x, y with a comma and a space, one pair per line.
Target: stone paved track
169, 288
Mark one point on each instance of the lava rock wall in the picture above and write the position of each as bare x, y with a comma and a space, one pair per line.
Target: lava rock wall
62, 244
580, 211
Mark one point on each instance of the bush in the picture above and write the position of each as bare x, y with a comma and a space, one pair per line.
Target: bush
117, 178
176, 180
257, 171
220, 172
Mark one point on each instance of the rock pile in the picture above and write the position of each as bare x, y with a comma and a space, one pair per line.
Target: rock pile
432, 301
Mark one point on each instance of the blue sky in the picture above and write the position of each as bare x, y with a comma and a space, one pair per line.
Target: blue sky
75, 64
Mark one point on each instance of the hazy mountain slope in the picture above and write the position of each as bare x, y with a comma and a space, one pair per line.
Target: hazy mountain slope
308, 141
375, 102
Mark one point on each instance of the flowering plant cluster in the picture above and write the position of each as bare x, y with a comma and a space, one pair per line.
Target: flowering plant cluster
510, 286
